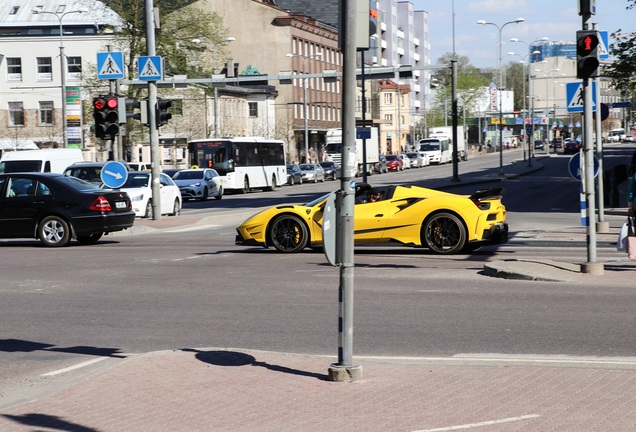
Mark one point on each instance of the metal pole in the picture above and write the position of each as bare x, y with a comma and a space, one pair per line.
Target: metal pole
155, 154
306, 114
602, 226
345, 370
63, 78
501, 170
454, 118
364, 117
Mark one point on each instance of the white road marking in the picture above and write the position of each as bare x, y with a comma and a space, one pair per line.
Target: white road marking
480, 424
77, 366
193, 228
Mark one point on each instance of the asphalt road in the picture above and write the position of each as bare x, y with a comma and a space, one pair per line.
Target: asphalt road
194, 288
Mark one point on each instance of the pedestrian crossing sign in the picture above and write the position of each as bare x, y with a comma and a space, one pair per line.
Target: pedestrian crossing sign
110, 65
150, 68
574, 96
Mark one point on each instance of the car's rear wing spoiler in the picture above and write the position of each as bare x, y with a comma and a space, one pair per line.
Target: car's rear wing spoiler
489, 193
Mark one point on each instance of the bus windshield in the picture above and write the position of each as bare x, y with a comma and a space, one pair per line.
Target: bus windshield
426, 145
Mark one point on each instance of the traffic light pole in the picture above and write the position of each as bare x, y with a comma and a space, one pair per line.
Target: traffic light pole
591, 266
155, 155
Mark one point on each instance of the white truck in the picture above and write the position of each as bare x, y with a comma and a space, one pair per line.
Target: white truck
44, 160
447, 132
334, 150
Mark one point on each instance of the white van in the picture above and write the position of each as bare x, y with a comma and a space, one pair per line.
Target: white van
47, 160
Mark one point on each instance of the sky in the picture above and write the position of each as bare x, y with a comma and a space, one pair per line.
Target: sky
556, 19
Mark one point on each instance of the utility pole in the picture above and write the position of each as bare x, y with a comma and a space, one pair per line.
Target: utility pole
345, 370
586, 9
155, 154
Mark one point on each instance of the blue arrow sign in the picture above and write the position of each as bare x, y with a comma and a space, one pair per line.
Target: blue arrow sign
114, 174
110, 65
150, 68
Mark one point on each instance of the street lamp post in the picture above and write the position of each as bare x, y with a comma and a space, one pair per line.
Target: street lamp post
527, 76
60, 17
305, 104
216, 89
500, 85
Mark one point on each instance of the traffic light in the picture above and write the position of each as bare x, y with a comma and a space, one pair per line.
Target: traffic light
106, 116
162, 114
128, 109
587, 62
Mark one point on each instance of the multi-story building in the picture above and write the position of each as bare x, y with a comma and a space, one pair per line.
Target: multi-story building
31, 73
294, 42
395, 116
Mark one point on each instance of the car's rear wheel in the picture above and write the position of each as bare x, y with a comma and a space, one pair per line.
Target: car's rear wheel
53, 231
288, 234
444, 233
89, 239
220, 194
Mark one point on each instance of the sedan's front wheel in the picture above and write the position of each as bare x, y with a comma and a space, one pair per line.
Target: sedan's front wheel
288, 234
53, 231
444, 233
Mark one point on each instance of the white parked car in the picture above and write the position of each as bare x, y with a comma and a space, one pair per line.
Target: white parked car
199, 183
426, 161
139, 188
416, 159
406, 162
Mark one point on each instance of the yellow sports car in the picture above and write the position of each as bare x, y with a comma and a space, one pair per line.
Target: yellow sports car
443, 222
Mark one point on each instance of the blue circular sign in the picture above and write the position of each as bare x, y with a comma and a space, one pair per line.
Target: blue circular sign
114, 174
575, 168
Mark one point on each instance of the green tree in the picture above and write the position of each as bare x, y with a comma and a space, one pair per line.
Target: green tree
469, 79
623, 70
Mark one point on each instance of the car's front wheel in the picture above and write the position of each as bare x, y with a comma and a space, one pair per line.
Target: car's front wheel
206, 193
53, 231
288, 234
176, 208
149, 213
444, 233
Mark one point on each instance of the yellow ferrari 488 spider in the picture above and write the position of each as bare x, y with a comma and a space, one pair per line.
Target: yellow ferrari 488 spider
443, 222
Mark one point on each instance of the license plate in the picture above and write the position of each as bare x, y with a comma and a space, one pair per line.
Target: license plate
120, 204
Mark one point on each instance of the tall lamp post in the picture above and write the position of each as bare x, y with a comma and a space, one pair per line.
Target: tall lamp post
305, 104
500, 85
528, 45
216, 89
60, 17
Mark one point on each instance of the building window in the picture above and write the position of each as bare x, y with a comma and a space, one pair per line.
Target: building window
46, 113
16, 114
388, 119
14, 69
45, 69
74, 67
388, 98
253, 109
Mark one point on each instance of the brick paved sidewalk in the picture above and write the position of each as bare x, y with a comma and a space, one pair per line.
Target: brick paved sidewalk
219, 390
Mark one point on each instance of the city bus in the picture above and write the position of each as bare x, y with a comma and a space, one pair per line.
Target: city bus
243, 163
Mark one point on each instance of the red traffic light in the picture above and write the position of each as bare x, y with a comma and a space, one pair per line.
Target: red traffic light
112, 103
99, 104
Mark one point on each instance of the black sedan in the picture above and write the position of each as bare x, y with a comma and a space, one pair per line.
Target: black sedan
294, 175
55, 208
571, 146
331, 170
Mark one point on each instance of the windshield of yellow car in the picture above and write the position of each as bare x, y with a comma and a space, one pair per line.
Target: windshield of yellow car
317, 200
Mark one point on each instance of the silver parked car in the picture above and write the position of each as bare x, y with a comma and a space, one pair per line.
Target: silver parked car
200, 183
312, 172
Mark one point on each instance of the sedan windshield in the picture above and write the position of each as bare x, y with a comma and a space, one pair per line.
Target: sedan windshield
188, 175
